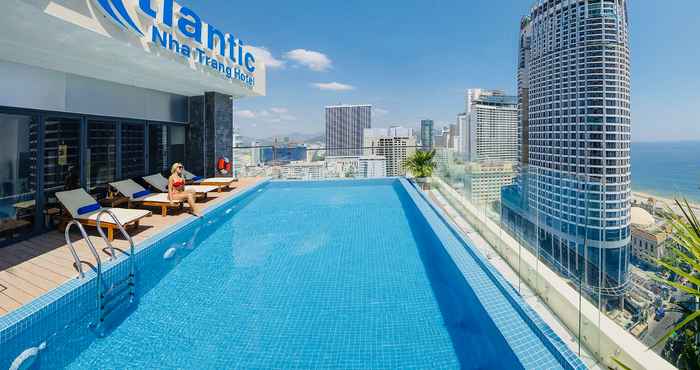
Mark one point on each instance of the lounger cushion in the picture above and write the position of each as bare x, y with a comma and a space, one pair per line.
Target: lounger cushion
138, 194
87, 209
219, 180
157, 181
201, 189
125, 216
155, 198
73, 200
190, 176
128, 188
142, 193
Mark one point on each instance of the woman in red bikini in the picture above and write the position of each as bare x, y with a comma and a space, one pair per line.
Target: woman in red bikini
176, 189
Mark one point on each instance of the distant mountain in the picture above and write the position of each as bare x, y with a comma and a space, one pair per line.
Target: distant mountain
294, 137
300, 137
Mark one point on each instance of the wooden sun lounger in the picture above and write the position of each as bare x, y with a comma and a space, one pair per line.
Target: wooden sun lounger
75, 201
221, 182
131, 189
160, 183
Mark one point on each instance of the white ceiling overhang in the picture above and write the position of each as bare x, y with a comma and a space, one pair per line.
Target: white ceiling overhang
74, 36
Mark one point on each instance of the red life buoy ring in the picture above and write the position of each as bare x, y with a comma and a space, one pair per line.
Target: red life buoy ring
223, 164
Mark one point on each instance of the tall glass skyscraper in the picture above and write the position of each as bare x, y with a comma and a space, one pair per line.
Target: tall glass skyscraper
573, 197
426, 134
345, 125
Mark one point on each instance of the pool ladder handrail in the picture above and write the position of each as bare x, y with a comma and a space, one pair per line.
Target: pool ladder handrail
91, 247
78, 262
126, 235
104, 299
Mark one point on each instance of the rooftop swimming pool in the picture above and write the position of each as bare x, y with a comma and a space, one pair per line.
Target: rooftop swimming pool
335, 274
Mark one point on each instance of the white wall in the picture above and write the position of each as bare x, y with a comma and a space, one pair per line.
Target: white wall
30, 87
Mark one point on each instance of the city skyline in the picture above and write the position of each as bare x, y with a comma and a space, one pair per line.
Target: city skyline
307, 72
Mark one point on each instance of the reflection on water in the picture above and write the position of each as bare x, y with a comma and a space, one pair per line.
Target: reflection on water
311, 244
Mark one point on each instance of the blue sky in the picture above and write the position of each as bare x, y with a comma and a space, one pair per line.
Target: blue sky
414, 59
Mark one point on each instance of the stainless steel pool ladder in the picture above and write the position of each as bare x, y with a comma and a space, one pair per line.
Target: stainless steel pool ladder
107, 299
79, 263
110, 299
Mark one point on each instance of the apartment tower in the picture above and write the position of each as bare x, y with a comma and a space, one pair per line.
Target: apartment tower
344, 128
574, 99
492, 126
426, 134
395, 144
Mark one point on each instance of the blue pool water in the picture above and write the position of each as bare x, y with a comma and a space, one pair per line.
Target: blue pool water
309, 275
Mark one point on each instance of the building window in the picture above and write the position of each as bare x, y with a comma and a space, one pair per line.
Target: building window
157, 148
17, 180
166, 146
176, 143
101, 156
62, 156
133, 150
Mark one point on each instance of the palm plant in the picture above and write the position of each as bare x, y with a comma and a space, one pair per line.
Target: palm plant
685, 251
421, 164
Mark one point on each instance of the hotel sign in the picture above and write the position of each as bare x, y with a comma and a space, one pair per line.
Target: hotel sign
181, 31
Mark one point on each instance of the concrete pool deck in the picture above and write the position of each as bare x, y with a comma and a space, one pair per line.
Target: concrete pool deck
31, 268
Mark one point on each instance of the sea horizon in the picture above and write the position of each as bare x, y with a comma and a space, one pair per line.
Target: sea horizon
668, 169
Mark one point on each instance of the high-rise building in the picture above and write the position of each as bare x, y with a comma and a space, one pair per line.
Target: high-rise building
426, 134
453, 138
492, 126
302, 170
462, 128
343, 166
255, 154
441, 138
314, 152
395, 144
524, 89
344, 128
443, 157
573, 199
483, 181
372, 166
490, 145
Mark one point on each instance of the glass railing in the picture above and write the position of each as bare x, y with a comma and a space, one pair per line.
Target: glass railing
569, 239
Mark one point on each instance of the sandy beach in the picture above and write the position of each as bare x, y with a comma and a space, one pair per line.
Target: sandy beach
662, 202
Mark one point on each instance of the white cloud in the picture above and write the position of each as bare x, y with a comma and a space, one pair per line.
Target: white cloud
261, 53
333, 86
276, 114
245, 113
279, 110
380, 111
311, 59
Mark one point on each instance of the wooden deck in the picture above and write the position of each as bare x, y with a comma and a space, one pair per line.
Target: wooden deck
33, 267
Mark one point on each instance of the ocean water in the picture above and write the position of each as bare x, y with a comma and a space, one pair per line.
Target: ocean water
667, 169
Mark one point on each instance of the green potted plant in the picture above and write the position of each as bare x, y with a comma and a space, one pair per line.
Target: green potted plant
684, 261
421, 164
